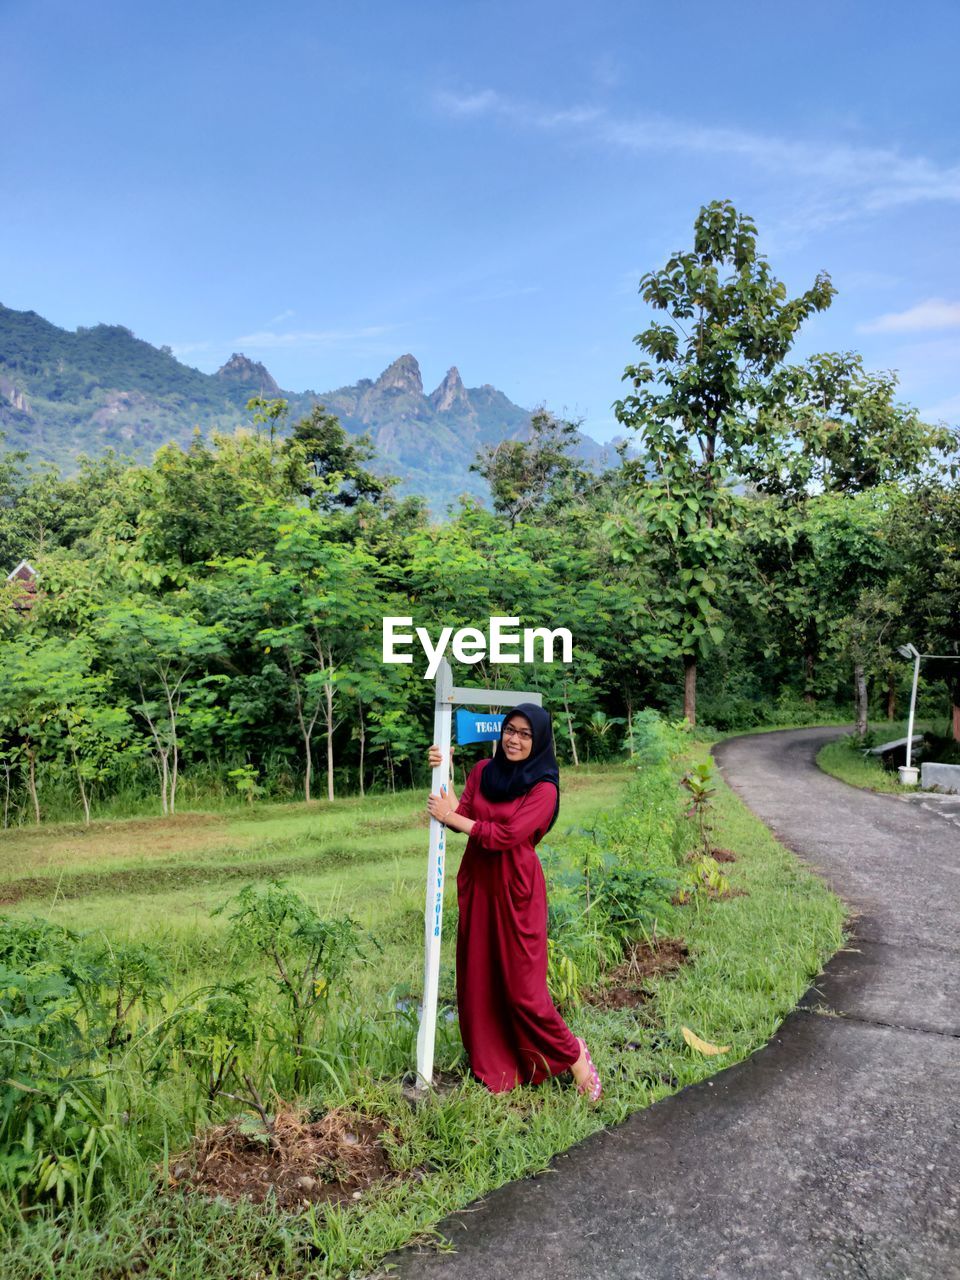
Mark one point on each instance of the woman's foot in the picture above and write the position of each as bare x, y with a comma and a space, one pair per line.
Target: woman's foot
585, 1074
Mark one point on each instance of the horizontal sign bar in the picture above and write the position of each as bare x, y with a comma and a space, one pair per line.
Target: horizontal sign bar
493, 697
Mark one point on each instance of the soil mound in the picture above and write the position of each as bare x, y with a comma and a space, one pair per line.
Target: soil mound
334, 1159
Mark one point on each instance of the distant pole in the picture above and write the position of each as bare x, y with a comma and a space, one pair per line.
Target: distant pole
433, 910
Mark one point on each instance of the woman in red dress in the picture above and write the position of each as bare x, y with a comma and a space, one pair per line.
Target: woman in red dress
510, 1027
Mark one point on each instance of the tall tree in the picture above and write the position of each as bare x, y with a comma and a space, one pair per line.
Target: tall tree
695, 408
160, 651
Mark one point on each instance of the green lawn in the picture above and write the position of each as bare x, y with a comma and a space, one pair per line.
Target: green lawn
844, 758
752, 956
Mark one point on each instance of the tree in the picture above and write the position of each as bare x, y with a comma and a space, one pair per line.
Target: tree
524, 475
337, 475
159, 650
192, 505
924, 534
696, 407
52, 703
834, 427
319, 601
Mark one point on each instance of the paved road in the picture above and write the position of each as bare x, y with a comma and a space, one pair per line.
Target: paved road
831, 1152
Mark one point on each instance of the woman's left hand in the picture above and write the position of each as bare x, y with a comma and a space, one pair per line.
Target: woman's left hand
439, 807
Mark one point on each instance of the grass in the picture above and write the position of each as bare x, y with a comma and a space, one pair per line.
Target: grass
753, 955
844, 757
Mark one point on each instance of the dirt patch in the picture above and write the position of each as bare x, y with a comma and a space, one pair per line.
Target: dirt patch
723, 855
174, 877
627, 985
714, 895
381, 826
70, 845
333, 1160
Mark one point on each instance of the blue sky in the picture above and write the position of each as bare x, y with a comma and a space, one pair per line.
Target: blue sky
325, 186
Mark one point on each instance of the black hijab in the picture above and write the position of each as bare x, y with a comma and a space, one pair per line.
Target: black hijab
504, 779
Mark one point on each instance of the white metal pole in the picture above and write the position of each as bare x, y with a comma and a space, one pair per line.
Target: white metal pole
433, 911
913, 705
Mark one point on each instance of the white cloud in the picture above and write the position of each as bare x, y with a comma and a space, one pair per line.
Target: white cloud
269, 339
279, 319
470, 104
504, 292
488, 102
946, 411
935, 313
842, 180
181, 349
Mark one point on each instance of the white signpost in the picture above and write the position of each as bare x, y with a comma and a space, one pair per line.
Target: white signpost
447, 695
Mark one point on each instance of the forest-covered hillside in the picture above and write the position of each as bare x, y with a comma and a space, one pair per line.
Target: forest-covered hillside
64, 394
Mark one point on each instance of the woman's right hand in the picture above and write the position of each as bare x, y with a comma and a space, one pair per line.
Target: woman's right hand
435, 757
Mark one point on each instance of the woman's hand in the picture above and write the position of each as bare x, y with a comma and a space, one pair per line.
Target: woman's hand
435, 757
444, 809
443, 806
440, 807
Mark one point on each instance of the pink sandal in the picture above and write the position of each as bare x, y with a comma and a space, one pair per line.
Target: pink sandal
592, 1087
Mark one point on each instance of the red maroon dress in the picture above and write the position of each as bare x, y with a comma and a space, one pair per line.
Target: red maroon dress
511, 1029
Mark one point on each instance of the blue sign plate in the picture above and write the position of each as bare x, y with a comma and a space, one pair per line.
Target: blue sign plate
478, 726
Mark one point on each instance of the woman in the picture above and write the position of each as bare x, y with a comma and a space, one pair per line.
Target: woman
511, 1029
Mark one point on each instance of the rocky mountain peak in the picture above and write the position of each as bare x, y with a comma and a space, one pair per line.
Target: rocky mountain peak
242, 371
402, 375
450, 393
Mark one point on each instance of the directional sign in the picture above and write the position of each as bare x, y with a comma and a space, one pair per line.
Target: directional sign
478, 726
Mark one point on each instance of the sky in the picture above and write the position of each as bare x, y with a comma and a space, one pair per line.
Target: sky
326, 186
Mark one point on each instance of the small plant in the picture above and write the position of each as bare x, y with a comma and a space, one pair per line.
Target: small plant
630, 900
130, 975
216, 1034
246, 780
591, 853
600, 730
704, 876
563, 976
59, 1022
310, 957
699, 782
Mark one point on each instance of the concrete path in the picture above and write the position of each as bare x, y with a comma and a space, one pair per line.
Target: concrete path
831, 1152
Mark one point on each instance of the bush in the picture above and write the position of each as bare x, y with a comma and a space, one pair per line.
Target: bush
65, 1005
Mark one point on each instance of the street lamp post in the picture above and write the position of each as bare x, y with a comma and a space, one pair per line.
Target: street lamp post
909, 772
909, 651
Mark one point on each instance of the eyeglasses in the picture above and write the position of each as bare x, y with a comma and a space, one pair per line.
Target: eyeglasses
524, 734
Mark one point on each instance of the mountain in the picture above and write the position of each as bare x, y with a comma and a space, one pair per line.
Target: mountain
63, 394
431, 439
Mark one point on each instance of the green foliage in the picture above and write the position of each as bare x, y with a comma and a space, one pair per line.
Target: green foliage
730, 326
216, 1034
245, 779
699, 782
535, 477
337, 473
633, 899
310, 958
834, 427
65, 1006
